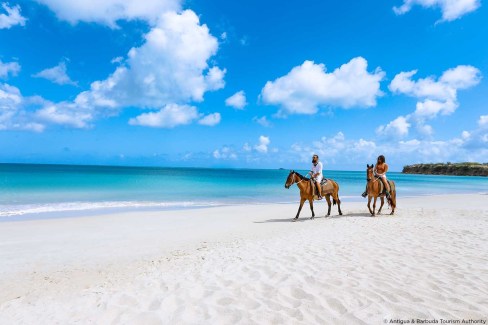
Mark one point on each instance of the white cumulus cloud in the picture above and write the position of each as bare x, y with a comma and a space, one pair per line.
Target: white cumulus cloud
263, 144
13, 113
225, 153
397, 127
169, 68
170, 116
246, 147
11, 17
451, 9
9, 68
263, 121
117, 60
435, 96
308, 86
238, 100
338, 151
108, 12
10, 100
57, 74
443, 91
210, 119
336, 147
67, 114
483, 121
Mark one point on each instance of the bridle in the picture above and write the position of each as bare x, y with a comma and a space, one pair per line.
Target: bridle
293, 180
369, 179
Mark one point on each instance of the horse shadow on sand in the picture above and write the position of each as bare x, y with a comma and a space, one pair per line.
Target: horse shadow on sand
302, 219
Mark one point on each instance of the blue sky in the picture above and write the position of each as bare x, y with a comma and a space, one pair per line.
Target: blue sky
243, 84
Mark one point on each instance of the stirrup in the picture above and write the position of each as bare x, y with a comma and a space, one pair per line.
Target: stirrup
364, 194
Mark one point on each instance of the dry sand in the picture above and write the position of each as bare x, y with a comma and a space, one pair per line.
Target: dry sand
250, 265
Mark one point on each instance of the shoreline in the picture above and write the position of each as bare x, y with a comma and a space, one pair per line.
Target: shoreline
93, 209
242, 263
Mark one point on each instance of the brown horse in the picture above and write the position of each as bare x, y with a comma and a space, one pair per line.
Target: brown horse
331, 188
374, 188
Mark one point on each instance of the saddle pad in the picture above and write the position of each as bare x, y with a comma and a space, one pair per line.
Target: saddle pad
327, 187
392, 186
382, 187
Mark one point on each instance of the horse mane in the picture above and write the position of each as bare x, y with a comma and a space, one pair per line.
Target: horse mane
301, 176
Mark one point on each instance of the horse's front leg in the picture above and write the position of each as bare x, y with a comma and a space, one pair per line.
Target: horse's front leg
369, 207
382, 203
374, 205
311, 207
302, 200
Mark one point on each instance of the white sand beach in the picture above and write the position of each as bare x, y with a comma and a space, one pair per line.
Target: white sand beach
250, 265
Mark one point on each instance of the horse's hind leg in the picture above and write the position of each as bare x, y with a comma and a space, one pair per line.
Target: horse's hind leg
299, 208
393, 202
327, 197
311, 208
382, 203
338, 203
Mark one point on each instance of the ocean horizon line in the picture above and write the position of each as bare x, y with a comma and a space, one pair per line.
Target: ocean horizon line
169, 167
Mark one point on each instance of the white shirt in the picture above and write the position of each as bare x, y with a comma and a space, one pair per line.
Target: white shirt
317, 169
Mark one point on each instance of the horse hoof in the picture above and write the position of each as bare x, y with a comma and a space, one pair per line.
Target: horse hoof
312, 218
294, 219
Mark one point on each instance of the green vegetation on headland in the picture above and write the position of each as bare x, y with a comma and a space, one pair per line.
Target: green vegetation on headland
458, 169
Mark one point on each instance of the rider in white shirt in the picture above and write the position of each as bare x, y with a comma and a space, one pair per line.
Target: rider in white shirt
316, 174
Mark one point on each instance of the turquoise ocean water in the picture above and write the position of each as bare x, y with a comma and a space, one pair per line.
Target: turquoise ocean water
47, 189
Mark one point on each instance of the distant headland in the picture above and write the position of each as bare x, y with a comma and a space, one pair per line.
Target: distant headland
457, 169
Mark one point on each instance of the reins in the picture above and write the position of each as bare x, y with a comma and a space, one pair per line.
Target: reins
293, 180
376, 178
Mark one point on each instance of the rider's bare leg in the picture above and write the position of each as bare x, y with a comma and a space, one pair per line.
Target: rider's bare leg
319, 190
387, 186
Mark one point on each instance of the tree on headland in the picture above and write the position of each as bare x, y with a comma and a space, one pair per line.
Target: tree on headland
458, 169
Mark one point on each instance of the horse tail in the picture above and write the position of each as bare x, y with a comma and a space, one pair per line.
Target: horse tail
392, 200
334, 201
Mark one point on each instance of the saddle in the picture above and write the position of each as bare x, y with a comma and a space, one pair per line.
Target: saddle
314, 185
383, 188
